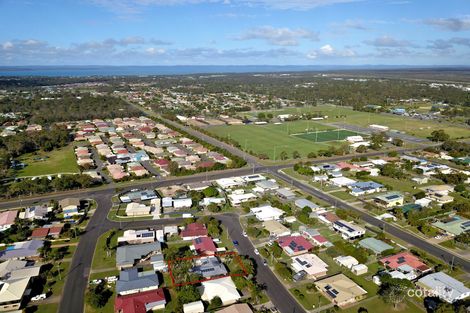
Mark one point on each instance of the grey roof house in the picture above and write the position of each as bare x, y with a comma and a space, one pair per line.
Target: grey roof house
132, 281
126, 256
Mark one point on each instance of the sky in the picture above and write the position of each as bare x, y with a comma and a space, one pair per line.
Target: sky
235, 32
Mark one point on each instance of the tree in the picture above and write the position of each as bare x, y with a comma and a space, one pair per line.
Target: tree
393, 290
439, 135
361, 149
98, 296
283, 155
397, 142
215, 303
296, 155
210, 192
213, 207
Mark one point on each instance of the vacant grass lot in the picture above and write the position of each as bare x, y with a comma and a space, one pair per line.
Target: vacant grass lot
378, 305
272, 139
103, 258
410, 126
47, 163
309, 299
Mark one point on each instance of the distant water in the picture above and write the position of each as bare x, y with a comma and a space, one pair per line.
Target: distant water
84, 71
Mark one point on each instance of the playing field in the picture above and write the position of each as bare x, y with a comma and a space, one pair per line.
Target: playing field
46, 163
272, 139
327, 135
414, 127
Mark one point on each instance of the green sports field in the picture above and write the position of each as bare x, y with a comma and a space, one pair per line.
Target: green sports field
414, 127
327, 135
272, 139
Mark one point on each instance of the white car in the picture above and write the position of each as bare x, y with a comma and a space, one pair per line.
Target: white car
111, 279
245, 234
96, 281
256, 252
40, 297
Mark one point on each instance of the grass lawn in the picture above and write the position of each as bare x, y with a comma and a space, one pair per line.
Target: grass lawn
101, 259
410, 126
377, 305
403, 185
309, 300
44, 163
44, 308
343, 195
57, 280
272, 139
108, 308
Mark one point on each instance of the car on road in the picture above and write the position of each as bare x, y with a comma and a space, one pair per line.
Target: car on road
235, 242
245, 234
256, 252
265, 263
40, 297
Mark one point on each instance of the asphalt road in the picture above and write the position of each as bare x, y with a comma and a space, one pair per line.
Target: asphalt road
435, 250
276, 291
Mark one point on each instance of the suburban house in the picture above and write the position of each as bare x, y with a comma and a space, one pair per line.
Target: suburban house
193, 231
346, 261
204, 246
132, 281
389, 200
377, 246
7, 219
302, 203
43, 232
311, 264
453, 226
137, 209
137, 236
69, 204
22, 250
239, 197
266, 185
35, 212
224, 288
404, 258
364, 188
127, 256
140, 302
294, 245
348, 230
16, 278
209, 267
236, 308
267, 212
276, 229
340, 290
445, 287
285, 194
193, 307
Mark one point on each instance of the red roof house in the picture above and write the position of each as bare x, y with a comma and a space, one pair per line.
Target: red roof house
319, 240
141, 302
294, 245
194, 230
404, 258
40, 233
204, 246
55, 231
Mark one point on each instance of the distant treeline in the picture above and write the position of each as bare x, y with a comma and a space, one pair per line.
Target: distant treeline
69, 107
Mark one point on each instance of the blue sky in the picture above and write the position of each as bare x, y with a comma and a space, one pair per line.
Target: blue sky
234, 32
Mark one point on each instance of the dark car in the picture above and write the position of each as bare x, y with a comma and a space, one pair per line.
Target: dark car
235, 242
299, 276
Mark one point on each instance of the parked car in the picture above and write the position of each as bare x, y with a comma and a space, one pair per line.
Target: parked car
245, 234
265, 263
235, 242
40, 297
299, 276
256, 252
96, 281
111, 279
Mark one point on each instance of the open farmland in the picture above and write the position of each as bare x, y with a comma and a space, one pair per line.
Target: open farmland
414, 127
272, 139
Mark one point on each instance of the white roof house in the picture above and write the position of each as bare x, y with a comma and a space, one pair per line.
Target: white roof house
135, 209
342, 181
445, 287
348, 230
11, 293
237, 199
346, 261
182, 203
267, 212
194, 307
226, 183
137, 236
224, 288
310, 263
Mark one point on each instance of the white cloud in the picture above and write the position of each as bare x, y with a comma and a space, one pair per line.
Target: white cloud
328, 51
154, 51
278, 36
387, 41
7, 45
454, 24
